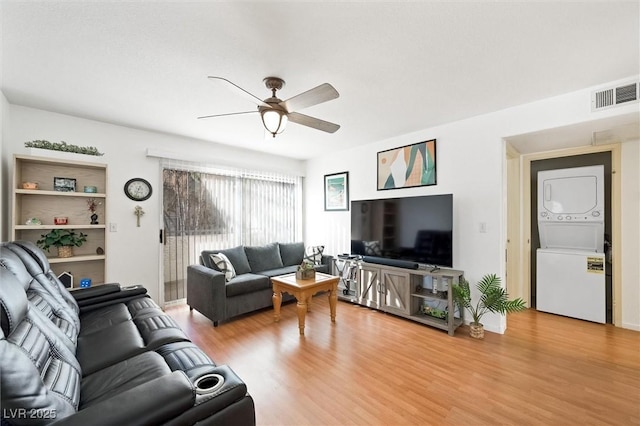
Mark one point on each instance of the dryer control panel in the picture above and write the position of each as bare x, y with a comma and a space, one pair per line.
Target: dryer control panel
594, 215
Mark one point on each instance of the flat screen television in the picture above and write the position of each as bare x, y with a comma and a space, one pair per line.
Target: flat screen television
414, 229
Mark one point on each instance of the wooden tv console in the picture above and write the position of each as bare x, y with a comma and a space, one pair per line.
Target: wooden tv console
408, 293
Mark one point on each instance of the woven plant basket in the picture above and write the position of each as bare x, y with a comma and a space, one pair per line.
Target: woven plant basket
476, 331
65, 251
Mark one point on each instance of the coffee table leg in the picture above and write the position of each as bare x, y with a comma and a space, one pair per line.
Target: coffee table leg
302, 312
277, 301
333, 299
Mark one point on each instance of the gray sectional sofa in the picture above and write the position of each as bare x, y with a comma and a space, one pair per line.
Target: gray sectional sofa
219, 299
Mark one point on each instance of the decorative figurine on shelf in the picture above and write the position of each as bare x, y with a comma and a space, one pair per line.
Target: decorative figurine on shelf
93, 204
66, 279
29, 185
32, 221
60, 220
138, 212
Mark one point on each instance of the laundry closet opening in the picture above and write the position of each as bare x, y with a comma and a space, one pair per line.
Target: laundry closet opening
594, 159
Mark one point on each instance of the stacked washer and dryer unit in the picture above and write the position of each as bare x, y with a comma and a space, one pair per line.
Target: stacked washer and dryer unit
571, 258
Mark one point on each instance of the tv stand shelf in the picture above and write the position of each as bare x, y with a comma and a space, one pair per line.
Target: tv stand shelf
428, 294
408, 293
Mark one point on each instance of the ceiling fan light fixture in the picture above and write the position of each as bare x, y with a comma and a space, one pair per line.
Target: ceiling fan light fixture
275, 121
276, 113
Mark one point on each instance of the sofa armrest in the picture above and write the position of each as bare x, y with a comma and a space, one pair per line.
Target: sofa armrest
93, 298
90, 292
327, 260
226, 404
206, 292
326, 265
151, 403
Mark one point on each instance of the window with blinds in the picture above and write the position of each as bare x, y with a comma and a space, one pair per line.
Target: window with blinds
209, 208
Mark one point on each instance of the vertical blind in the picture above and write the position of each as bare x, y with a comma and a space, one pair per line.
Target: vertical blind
209, 208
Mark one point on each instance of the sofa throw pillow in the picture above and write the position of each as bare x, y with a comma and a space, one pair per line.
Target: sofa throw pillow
291, 253
223, 264
238, 258
372, 248
313, 254
263, 258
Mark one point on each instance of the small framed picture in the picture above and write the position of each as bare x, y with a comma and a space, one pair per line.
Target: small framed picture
336, 192
64, 184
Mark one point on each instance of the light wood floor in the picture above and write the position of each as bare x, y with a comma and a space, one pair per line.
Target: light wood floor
371, 368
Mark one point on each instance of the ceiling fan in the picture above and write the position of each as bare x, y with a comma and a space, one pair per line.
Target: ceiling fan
276, 113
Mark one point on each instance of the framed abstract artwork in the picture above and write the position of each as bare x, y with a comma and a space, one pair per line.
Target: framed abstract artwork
336, 191
407, 166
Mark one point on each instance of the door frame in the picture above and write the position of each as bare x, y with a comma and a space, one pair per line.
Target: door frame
161, 298
513, 242
524, 202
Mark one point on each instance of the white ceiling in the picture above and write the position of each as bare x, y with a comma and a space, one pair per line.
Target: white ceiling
399, 66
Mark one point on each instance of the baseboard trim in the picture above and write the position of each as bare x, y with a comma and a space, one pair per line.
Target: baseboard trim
629, 326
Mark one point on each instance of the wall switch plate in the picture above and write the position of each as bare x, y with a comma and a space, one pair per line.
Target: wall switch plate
483, 227
113, 227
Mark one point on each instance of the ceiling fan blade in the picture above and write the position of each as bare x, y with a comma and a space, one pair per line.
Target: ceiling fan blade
313, 122
253, 98
323, 93
229, 113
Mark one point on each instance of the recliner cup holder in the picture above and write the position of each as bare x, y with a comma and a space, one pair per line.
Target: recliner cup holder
208, 383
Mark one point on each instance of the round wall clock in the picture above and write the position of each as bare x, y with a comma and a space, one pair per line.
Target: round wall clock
137, 189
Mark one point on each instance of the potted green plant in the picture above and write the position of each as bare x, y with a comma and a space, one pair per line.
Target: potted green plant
305, 271
63, 239
493, 298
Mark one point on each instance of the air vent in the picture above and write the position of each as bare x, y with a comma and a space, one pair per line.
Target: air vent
626, 93
614, 96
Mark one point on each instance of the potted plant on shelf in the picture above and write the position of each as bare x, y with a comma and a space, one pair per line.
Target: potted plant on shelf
63, 239
493, 298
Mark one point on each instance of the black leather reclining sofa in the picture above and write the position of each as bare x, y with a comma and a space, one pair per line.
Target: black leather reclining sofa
102, 355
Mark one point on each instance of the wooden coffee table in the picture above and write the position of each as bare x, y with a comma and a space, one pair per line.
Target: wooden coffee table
303, 290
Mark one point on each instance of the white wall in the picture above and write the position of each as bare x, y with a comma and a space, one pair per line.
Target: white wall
4, 169
470, 165
132, 253
630, 250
